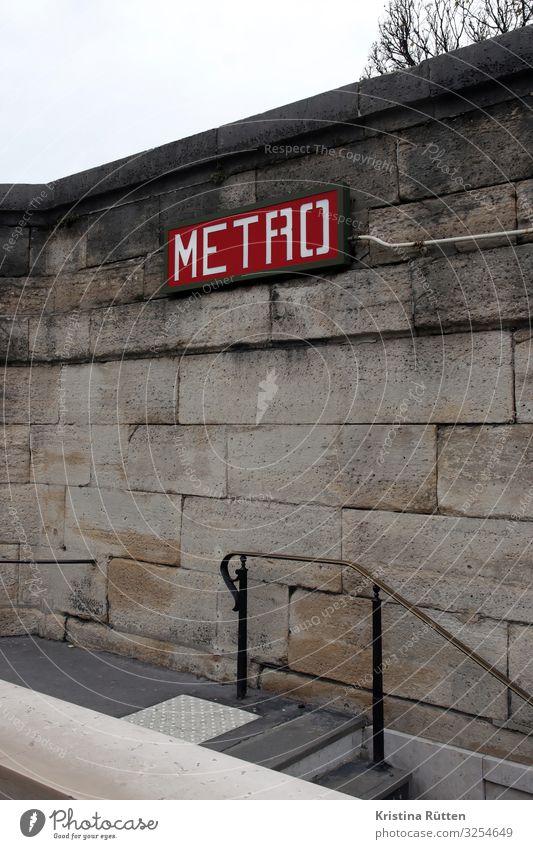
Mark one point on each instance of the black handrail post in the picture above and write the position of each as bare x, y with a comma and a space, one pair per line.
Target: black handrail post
378, 722
242, 639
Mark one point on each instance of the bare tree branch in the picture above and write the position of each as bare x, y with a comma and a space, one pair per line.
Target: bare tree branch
414, 30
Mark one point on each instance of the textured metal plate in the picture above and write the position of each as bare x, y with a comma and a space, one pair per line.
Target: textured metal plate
191, 719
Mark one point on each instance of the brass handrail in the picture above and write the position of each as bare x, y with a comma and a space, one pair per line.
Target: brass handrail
412, 608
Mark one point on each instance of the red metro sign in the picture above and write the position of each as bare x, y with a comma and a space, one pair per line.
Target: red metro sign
298, 234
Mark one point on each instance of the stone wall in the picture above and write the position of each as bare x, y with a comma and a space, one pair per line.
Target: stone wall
398, 415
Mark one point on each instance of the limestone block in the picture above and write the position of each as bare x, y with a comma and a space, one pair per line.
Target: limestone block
417, 662
478, 566
106, 522
14, 454
380, 466
524, 207
98, 637
75, 588
8, 575
198, 320
122, 232
32, 515
15, 251
13, 339
479, 148
457, 377
60, 455
479, 288
19, 621
109, 448
486, 471
268, 622
368, 167
212, 528
163, 603
23, 296
192, 460
133, 391
521, 671
55, 337
238, 190
116, 283
460, 214
355, 302
524, 377
51, 626
55, 251
31, 395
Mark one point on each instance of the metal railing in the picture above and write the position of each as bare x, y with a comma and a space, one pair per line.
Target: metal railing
239, 591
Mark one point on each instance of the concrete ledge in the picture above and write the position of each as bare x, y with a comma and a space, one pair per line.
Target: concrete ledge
52, 749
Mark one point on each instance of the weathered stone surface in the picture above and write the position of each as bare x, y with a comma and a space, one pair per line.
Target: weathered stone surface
118, 283
486, 471
367, 167
32, 515
417, 662
14, 335
457, 377
524, 377
480, 148
480, 566
133, 391
164, 603
15, 251
17, 621
417, 718
178, 459
92, 635
461, 214
238, 190
54, 337
521, 671
31, 395
384, 467
22, 296
51, 626
9, 573
14, 454
55, 251
134, 524
524, 207
199, 321
268, 622
109, 449
366, 301
212, 528
75, 588
60, 454
122, 232
477, 288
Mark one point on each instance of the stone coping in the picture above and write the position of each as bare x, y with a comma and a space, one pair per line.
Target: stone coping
69, 751
493, 61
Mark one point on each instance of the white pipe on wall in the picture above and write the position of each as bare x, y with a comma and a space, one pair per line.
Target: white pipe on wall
449, 240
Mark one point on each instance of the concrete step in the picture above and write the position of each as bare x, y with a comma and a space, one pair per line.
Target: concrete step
303, 745
363, 780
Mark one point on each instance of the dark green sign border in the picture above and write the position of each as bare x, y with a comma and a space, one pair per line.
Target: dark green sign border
343, 232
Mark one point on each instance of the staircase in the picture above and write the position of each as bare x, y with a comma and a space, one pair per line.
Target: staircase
321, 746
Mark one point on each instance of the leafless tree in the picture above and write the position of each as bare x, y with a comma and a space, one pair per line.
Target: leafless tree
414, 30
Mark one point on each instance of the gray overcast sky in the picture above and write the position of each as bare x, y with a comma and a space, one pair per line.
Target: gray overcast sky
88, 82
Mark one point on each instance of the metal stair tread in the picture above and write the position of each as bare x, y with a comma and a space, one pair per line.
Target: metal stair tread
295, 738
364, 780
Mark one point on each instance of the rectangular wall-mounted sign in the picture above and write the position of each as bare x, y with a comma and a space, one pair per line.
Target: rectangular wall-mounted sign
298, 234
